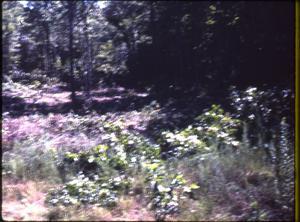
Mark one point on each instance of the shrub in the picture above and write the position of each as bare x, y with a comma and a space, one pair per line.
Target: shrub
211, 131
267, 116
84, 190
204, 161
104, 172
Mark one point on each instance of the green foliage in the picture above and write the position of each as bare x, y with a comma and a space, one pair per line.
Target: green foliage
123, 152
285, 168
268, 129
199, 172
209, 131
165, 189
30, 160
121, 34
202, 170
102, 172
168, 47
262, 110
99, 191
217, 126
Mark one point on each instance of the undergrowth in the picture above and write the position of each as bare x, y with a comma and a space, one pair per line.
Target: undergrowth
217, 168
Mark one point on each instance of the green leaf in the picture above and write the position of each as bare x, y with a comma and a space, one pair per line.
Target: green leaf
101, 148
72, 156
153, 166
180, 179
194, 186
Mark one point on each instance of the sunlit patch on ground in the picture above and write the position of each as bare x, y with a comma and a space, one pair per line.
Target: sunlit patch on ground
24, 200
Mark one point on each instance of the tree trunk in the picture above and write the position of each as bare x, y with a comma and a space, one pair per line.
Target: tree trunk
155, 51
71, 68
6, 42
48, 65
88, 56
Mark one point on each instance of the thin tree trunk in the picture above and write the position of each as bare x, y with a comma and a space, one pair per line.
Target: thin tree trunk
6, 42
71, 68
48, 51
155, 51
88, 68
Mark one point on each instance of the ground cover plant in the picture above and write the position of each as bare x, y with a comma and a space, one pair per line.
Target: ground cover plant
204, 165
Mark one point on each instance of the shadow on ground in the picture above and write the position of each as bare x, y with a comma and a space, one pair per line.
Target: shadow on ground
101, 102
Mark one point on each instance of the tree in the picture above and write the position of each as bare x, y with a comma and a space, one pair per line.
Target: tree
12, 19
163, 44
204, 43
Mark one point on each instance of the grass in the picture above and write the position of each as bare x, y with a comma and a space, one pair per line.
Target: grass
234, 185
24, 200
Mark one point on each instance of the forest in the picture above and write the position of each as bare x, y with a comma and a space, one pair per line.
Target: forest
148, 110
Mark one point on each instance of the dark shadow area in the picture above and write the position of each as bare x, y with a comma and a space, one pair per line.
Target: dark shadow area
178, 113
9, 101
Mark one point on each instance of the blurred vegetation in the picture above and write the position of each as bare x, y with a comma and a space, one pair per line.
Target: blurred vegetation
203, 130
161, 44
